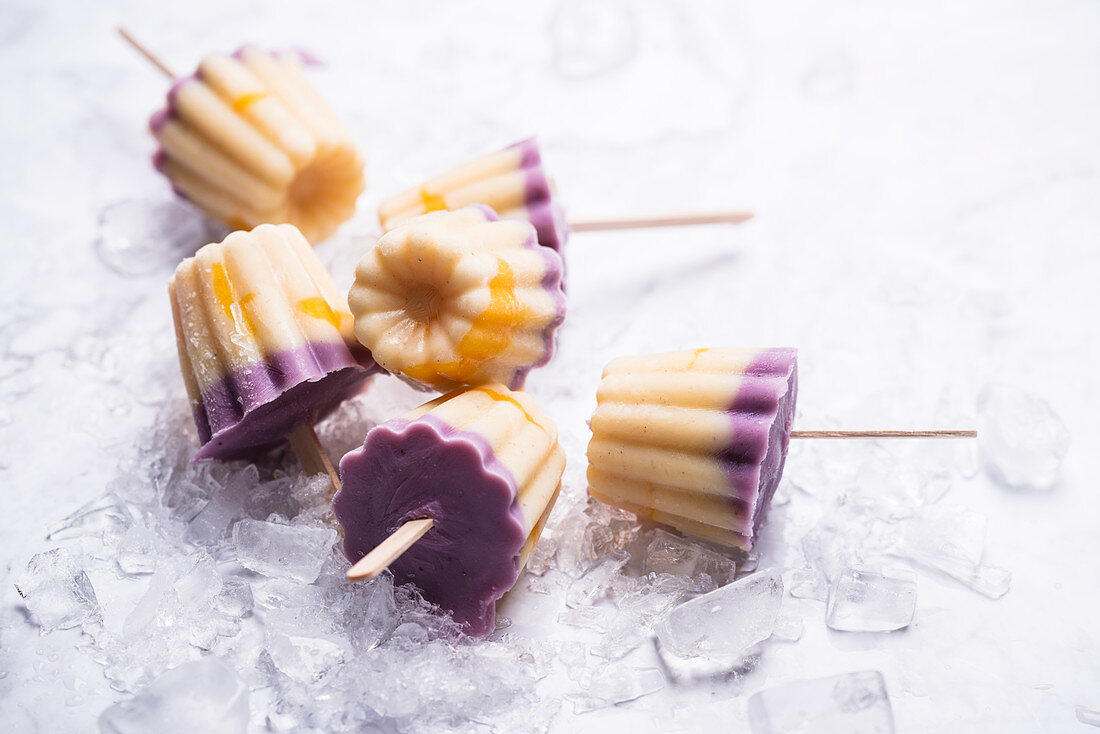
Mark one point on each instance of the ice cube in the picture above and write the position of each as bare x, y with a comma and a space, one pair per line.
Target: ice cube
866, 600
307, 658
724, 624
951, 539
1022, 439
57, 592
201, 696
136, 551
282, 551
1088, 716
854, 703
139, 237
615, 685
788, 627
668, 553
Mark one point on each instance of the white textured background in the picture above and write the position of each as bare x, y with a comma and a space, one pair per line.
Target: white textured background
927, 184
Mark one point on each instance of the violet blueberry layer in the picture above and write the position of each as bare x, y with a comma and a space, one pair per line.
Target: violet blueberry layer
485, 465
459, 298
511, 181
264, 338
248, 140
695, 439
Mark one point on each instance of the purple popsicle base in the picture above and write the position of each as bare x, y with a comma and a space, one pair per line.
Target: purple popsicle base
762, 415
407, 470
253, 410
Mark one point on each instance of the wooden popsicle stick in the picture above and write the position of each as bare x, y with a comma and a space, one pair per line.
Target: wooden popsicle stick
676, 219
141, 49
943, 433
307, 447
389, 550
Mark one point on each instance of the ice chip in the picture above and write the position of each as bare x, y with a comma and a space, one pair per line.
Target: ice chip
57, 592
201, 696
1022, 439
724, 624
593, 586
854, 703
281, 551
668, 553
136, 551
866, 600
617, 685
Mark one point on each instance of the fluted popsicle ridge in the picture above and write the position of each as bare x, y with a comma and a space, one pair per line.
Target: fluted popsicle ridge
457, 298
511, 181
485, 464
248, 140
264, 340
694, 439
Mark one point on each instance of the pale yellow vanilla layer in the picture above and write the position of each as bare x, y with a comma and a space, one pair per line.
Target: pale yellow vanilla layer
497, 176
255, 294
454, 298
520, 435
250, 141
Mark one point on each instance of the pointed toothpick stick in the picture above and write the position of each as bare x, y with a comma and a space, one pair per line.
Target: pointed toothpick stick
389, 550
144, 51
948, 433
677, 219
307, 447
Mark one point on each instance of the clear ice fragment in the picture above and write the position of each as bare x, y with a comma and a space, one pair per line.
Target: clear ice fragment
57, 592
866, 600
724, 624
1023, 441
854, 703
201, 696
594, 585
282, 551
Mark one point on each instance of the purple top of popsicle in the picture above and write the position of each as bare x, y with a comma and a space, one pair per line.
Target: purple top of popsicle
252, 410
762, 413
407, 470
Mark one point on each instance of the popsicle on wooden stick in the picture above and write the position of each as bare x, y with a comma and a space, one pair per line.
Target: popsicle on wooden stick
452, 497
248, 140
459, 298
514, 183
697, 440
265, 344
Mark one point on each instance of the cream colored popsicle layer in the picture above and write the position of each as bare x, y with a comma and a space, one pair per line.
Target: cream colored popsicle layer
485, 465
454, 298
248, 140
265, 341
694, 439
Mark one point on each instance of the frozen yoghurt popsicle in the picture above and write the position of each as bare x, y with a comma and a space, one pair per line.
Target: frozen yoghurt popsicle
484, 464
265, 341
511, 181
459, 298
248, 140
694, 439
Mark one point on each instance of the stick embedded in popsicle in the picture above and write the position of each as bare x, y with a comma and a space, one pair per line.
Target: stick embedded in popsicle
514, 184
248, 140
265, 345
457, 298
697, 440
453, 497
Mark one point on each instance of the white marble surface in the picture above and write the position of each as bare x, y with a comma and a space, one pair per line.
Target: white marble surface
926, 180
